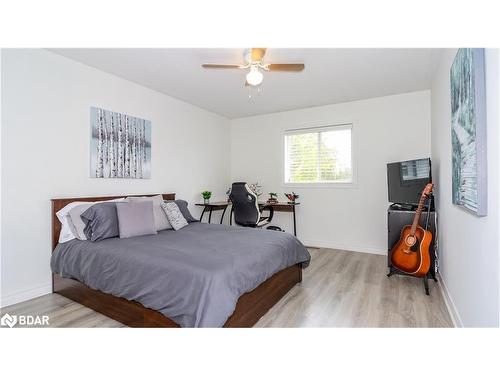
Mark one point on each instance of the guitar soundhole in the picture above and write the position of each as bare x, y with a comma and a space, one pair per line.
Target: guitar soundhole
411, 241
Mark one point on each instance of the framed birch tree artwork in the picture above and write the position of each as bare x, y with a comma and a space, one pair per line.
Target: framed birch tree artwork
468, 130
120, 145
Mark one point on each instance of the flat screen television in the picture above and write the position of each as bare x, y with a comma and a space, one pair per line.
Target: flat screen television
407, 179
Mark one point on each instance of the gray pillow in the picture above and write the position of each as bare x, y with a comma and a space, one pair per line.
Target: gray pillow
75, 222
135, 219
174, 215
161, 221
78, 227
101, 221
183, 206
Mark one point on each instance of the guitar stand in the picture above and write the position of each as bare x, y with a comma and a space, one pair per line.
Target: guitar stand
426, 285
426, 282
393, 271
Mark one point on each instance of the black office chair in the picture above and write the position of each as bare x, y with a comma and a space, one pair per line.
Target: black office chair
246, 207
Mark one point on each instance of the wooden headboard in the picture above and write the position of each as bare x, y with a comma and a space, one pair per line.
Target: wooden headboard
57, 204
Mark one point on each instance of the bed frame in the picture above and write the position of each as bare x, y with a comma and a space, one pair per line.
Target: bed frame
249, 309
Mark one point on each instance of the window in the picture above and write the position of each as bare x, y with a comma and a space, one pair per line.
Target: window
318, 155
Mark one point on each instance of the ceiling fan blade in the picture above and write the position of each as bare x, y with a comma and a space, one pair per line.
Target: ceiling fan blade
222, 66
258, 54
286, 67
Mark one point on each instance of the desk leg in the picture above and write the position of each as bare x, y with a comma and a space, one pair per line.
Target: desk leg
210, 215
202, 213
294, 222
222, 216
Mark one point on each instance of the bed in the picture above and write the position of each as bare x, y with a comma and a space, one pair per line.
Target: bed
204, 275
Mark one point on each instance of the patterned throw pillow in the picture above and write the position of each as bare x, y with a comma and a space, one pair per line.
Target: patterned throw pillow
183, 206
174, 215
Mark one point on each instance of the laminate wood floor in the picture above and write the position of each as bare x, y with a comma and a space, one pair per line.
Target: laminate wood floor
339, 289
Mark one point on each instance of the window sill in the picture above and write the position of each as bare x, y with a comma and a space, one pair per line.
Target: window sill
320, 185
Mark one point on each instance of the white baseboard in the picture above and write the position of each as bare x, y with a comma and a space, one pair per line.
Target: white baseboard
359, 249
25, 295
450, 305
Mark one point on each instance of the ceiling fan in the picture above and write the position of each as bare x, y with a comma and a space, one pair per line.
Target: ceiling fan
254, 59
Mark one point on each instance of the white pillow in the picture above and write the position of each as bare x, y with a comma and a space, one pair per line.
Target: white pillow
75, 221
68, 230
161, 221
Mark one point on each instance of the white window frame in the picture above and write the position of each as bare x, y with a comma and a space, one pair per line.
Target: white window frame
329, 184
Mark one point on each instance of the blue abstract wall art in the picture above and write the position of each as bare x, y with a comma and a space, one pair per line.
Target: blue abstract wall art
468, 130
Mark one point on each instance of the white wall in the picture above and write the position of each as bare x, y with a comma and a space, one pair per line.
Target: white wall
469, 250
45, 153
385, 129
1, 126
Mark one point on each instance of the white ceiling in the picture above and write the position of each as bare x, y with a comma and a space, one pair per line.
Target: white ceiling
331, 75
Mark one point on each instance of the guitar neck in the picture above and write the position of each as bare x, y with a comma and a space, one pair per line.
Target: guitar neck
418, 213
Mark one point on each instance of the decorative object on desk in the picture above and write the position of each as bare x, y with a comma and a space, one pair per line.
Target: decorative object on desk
292, 197
256, 188
468, 130
206, 196
273, 198
120, 145
228, 193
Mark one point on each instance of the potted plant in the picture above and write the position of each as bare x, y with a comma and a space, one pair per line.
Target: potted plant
206, 196
273, 198
292, 197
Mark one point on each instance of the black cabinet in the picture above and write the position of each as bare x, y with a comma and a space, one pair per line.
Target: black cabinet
397, 218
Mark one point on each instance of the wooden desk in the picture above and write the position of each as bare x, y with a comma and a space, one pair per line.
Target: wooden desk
218, 206
213, 206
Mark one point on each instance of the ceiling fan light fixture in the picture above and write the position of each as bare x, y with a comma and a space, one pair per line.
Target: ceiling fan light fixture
254, 61
254, 76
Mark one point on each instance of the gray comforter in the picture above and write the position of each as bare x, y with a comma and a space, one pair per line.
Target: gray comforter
194, 276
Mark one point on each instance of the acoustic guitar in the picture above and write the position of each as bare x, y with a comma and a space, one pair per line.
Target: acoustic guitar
411, 253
